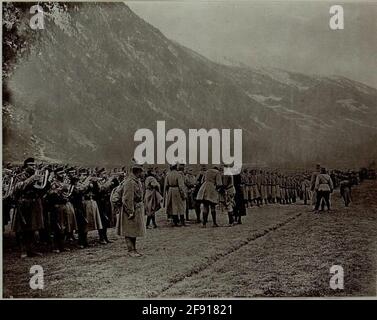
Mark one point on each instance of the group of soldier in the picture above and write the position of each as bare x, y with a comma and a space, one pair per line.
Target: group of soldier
59, 202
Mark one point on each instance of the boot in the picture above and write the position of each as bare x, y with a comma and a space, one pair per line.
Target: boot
213, 214
134, 252
105, 236
101, 237
148, 221
154, 221
175, 221
129, 244
205, 217
231, 219
198, 216
182, 218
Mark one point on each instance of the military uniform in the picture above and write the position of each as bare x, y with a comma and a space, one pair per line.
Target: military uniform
104, 206
305, 188
152, 200
262, 186
278, 191
254, 185
283, 190
250, 190
312, 186
88, 215
239, 209
28, 215
116, 201
131, 222
244, 185
324, 187
131, 218
228, 196
58, 213
345, 189
91, 211
8, 198
269, 187
198, 182
76, 199
273, 187
208, 194
190, 182
175, 195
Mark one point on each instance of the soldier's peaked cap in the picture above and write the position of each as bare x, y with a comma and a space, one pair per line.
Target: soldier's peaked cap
71, 169
59, 170
29, 161
135, 165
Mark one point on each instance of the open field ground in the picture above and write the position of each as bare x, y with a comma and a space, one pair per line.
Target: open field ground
277, 251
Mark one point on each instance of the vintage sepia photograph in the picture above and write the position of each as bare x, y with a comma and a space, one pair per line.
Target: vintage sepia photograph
189, 150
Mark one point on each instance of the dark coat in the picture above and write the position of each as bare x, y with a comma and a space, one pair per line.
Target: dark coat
153, 198
104, 204
239, 208
28, 214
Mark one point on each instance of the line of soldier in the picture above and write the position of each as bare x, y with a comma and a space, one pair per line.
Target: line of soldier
69, 200
265, 187
81, 200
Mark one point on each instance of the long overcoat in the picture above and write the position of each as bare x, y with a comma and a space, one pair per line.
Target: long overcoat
28, 214
175, 193
131, 221
153, 198
209, 189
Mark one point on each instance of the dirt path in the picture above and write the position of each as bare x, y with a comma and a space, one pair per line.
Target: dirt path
278, 250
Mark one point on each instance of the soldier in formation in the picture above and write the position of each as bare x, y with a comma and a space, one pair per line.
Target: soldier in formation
153, 198
50, 203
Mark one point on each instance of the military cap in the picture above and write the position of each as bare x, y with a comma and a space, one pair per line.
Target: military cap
29, 161
135, 165
71, 170
59, 170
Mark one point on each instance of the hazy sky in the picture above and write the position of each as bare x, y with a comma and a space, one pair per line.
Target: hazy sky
289, 35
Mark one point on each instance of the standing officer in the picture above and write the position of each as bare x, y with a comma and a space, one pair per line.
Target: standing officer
152, 199
229, 192
131, 218
28, 216
208, 194
312, 184
190, 181
174, 195
58, 217
104, 206
198, 182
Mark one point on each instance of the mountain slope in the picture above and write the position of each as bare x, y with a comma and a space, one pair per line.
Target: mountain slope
98, 72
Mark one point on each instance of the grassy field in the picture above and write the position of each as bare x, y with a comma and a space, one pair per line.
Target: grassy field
277, 251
